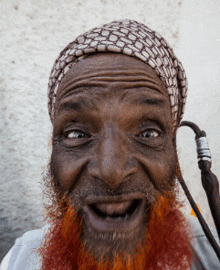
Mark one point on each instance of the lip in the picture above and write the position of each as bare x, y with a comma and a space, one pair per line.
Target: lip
110, 223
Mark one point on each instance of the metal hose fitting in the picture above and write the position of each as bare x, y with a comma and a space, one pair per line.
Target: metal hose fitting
203, 152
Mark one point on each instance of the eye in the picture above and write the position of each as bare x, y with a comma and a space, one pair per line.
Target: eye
151, 137
76, 134
150, 134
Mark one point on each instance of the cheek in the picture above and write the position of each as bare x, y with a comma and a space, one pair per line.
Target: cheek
164, 173
66, 168
162, 167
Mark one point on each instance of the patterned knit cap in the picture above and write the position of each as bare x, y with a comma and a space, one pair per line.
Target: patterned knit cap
130, 38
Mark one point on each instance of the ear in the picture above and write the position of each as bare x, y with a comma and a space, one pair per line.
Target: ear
174, 139
178, 170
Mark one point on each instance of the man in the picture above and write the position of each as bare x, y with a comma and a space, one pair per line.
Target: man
116, 99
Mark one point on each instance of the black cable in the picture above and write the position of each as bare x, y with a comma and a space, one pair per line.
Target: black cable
204, 225
210, 184
193, 126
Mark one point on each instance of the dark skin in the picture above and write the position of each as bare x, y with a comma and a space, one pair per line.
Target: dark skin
113, 148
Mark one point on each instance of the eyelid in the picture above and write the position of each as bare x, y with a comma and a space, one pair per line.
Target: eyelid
76, 126
150, 124
147, 127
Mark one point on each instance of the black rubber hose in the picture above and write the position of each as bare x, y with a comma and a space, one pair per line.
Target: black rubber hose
204, 225
211, 186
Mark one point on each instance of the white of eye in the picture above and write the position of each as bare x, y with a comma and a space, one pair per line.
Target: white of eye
76, 135
150, 134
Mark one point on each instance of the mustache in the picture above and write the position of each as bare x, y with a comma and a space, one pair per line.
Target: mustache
99, 189
57, 199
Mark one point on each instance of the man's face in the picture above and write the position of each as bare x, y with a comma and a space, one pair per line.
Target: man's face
113, 149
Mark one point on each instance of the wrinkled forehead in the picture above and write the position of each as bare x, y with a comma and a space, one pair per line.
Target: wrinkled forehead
107, 67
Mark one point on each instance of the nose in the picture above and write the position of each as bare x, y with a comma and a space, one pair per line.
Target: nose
112, 162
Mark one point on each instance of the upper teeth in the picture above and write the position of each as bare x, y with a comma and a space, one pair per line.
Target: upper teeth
113, 208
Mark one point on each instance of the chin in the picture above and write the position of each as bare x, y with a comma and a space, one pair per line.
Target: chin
109, 245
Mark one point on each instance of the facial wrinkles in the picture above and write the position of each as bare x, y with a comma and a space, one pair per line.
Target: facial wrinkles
113, 95
127, 109
113, 109
113, 91
110, 117
88, 187
128, 79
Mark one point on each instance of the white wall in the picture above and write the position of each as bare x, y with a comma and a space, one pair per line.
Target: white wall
198, 49
32, 33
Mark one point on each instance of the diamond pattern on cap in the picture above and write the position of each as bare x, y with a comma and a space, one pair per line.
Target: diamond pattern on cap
130, 38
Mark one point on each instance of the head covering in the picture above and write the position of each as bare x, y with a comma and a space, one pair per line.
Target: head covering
130, 38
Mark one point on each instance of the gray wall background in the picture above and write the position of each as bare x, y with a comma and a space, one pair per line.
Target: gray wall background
32, 33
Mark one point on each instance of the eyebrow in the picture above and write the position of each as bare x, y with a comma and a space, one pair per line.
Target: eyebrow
148, 101
151, 101
82, 103
74, 105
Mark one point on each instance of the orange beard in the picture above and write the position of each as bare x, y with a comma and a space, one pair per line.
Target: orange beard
166, 245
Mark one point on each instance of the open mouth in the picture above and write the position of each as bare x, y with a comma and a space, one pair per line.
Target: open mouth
123, 210
117, 213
